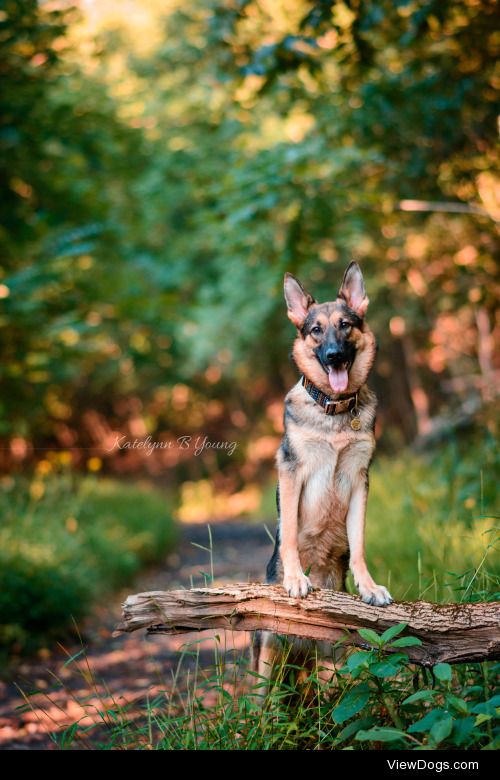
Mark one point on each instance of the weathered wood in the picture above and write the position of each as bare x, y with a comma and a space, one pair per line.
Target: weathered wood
449, 632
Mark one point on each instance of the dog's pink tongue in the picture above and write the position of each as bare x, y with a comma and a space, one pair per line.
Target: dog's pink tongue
338, 379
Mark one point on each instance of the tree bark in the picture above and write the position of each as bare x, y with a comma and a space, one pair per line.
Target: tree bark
454, 633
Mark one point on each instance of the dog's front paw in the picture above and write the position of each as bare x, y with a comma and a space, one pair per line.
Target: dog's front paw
376, 595
297, 585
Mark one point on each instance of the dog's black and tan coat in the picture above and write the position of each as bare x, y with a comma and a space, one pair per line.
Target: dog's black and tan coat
323, 459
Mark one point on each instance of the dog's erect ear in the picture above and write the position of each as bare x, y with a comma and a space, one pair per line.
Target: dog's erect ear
297, 300
352, 290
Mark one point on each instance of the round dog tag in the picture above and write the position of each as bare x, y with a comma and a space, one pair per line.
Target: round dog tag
355, 423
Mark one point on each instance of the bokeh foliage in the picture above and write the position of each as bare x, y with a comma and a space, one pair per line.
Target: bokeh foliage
162, 168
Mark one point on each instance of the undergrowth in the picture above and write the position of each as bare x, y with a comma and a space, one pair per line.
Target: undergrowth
377, 698
65, 541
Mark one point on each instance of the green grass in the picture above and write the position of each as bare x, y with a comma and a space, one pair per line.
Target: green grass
65, 540
433, 523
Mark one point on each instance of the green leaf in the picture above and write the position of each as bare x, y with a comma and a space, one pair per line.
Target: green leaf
419, 696
442, 672
357, 659
482, 718
407, 641
487, 707
441, 728
380, 734
384, 669
351, 704
426, 723
460, 705
462, 730
393, 631
370, 636
353, 727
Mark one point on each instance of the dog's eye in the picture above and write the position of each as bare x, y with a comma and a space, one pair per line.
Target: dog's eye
343, 324
316, 330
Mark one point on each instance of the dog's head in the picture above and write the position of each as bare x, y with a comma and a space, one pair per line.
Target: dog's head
334, 348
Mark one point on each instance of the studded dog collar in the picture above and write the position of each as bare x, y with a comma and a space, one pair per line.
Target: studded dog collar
341, 405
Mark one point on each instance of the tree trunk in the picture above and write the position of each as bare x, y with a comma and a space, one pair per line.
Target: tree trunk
449, 632
485, 350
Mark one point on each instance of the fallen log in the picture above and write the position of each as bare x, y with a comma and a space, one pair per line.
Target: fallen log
454, 633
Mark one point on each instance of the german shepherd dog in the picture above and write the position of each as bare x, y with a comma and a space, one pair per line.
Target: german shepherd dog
324, 458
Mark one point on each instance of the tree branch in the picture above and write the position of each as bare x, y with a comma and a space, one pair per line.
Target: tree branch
444, 206
449, 632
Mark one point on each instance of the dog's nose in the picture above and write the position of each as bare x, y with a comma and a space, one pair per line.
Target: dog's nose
332, 354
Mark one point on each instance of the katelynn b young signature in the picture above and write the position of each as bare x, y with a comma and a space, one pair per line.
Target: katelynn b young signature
198, 444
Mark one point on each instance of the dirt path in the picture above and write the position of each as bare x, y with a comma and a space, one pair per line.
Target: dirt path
118, 669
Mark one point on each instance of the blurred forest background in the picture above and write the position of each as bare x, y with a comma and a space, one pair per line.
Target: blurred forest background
163, 164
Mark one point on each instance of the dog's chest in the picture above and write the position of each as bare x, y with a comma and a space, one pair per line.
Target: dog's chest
329, 458
330, 466
330, 469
